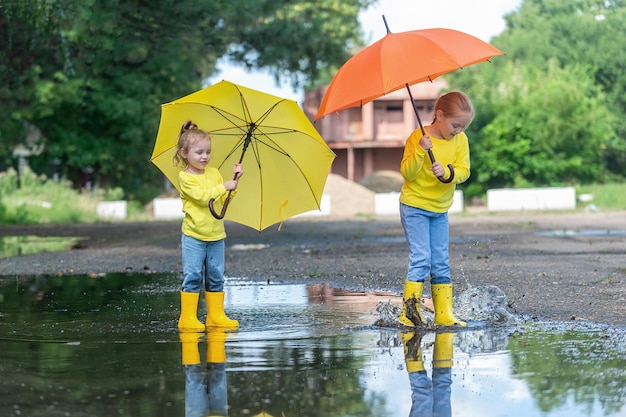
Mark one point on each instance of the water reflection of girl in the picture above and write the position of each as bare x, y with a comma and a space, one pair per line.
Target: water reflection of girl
205, 387
429, 397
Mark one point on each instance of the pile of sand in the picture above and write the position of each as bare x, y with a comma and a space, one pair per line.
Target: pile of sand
348, 198
385, 181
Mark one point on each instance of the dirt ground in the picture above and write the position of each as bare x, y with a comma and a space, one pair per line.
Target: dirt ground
562, 266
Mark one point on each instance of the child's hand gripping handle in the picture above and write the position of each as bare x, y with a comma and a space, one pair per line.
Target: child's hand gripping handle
221, 214
442, 179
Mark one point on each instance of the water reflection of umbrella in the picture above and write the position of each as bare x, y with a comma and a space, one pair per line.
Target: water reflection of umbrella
399, 60
286, 161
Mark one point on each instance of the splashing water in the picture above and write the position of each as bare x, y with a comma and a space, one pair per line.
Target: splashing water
483, 303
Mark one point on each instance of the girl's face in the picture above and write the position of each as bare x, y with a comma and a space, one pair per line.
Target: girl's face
450, 126
198, 156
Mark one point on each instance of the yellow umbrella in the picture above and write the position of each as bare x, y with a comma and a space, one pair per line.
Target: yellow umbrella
286, 162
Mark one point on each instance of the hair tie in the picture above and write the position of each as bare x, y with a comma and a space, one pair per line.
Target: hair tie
189, 125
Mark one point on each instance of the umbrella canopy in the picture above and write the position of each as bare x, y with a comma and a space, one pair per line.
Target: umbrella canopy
399, 60
286, 162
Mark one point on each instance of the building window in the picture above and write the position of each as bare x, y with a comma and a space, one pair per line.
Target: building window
388, 119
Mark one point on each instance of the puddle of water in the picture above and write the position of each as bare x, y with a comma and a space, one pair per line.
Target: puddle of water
471, 239
581, 233
80, 346
23, 245
384, 239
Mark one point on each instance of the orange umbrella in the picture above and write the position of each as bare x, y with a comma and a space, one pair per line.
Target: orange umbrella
399, 60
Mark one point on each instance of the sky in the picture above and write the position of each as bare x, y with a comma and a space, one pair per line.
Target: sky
481, 18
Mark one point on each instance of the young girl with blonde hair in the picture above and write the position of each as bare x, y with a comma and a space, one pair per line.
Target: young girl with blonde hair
424, 204
202, 234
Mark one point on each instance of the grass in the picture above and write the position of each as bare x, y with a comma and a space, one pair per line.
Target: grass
605, 196
23, 245
39, 200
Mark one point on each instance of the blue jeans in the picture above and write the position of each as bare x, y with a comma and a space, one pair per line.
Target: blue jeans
427, 235
203, 265
196, 401
431, 397
205, 394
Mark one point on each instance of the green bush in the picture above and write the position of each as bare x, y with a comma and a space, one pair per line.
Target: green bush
8, 182
42, 200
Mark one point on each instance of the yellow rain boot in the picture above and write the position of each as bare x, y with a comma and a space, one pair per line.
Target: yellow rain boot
442, 300
215, 311
413, 359
189, 344
215, 347
411, 304
188, 321
442, 353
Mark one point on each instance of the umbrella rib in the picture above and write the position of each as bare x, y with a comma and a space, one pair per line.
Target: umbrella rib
270, 143
257, 158
232, 118
247, 113
247, 119
163, 152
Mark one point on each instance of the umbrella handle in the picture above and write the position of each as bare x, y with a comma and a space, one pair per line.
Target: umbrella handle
442, 179
220, 215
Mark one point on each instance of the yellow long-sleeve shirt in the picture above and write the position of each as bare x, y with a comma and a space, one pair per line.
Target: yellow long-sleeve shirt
195, 193
421, 188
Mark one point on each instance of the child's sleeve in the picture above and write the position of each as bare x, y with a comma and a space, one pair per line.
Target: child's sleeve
413, 158
196, 189
462, 161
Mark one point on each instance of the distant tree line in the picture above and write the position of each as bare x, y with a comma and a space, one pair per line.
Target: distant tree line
89, 76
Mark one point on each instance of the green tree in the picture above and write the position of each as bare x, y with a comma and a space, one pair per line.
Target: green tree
545, 128
111, 63
32, 49
551, 111
569, 33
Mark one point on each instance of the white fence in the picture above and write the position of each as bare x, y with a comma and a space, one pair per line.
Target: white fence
505, 199
513, 199
388, 203
167, 208
111, 210
171, 208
